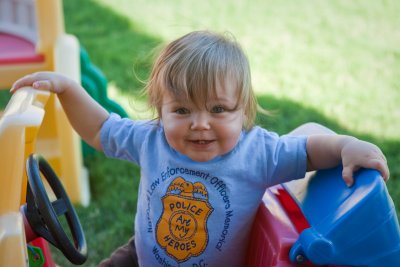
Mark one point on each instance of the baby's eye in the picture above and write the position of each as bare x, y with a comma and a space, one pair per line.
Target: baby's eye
217, 109
182, 111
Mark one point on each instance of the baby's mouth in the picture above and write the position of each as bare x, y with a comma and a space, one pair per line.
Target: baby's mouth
202, 142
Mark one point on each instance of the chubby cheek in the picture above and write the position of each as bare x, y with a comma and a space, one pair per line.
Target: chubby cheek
174, 133
172, 139
228, 137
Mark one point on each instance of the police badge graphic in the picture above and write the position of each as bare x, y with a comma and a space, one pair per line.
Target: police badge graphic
182, 228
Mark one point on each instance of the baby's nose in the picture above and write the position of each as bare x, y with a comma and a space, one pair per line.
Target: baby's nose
200, 121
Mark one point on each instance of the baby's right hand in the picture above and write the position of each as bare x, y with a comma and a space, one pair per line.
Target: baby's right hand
48, 81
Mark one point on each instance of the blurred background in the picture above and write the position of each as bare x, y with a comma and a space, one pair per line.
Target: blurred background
333, 62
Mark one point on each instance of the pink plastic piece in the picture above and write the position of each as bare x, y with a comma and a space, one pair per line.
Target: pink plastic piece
275, 229
16, 50
32, 237
272, 235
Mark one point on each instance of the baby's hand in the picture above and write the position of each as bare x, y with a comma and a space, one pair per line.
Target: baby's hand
358, 154
48, 81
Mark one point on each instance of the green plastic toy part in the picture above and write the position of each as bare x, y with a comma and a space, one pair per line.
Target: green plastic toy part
95, 83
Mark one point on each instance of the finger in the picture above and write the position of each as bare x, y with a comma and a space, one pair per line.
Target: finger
28, 80
43, 85
24, 81
378, 154
383, 157
347, 175
39, 85
380, 166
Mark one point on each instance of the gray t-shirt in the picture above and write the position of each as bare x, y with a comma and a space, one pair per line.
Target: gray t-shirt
200, 213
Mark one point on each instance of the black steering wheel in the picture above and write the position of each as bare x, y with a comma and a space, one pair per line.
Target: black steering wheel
42, 214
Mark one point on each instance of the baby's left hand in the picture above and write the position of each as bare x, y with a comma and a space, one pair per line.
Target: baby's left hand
358, 154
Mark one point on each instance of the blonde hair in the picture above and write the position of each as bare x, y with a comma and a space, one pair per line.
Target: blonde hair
193, 65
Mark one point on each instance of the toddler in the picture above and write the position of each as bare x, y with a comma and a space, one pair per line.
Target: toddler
204, 164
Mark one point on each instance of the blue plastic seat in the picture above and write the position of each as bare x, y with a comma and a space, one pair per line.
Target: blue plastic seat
354, 226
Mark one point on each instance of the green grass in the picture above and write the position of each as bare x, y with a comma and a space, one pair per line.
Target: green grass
332, 62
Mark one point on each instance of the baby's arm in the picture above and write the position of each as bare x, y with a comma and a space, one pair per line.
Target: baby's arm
85, 115
325, 151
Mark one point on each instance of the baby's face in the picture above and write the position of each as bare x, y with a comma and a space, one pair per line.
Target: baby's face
203, 133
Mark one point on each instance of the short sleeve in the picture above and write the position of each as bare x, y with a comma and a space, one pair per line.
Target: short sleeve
123, 138
289, 159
